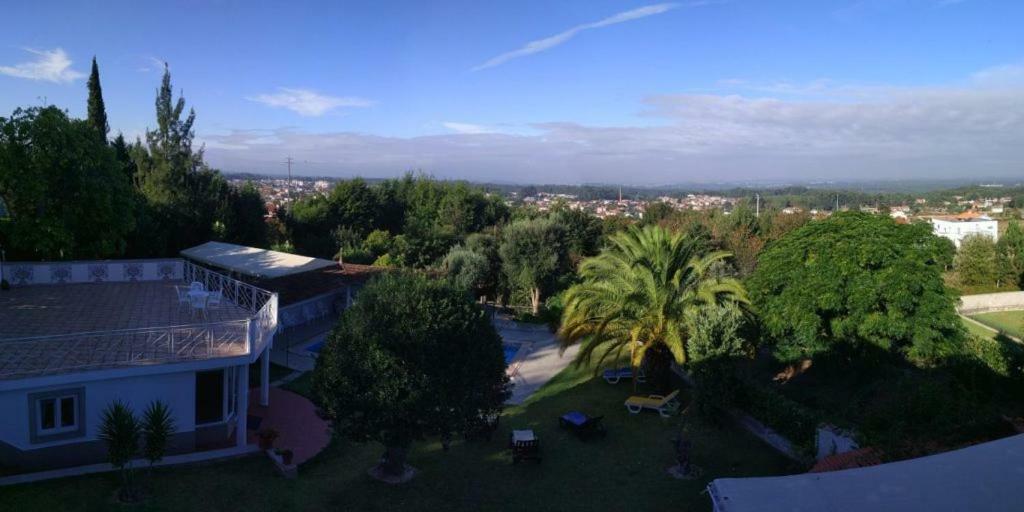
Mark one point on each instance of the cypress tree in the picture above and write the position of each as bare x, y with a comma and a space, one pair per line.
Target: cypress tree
97, 111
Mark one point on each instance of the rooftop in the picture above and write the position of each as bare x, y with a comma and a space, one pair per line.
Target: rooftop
60, 328
981, 477
253, 262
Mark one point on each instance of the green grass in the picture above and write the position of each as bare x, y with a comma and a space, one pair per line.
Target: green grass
978, 330
624, 471
1010, 322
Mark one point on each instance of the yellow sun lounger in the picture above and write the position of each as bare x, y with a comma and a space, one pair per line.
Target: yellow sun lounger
665, 405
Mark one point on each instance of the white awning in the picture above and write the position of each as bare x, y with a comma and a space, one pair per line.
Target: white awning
985, 476
254, 262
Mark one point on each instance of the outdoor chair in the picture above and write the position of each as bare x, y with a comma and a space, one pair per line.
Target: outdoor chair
665, 405
182, 296
198, 304
583, 425
614, 375
214, 299
196, 286
525, 446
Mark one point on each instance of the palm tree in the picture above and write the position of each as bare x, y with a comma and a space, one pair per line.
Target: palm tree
644, 291
157, 429
119, 429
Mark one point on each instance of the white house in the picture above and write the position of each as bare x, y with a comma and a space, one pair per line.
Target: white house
958, 227
77, 336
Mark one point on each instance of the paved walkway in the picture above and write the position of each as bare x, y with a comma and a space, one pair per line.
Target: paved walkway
542, 360
294, 418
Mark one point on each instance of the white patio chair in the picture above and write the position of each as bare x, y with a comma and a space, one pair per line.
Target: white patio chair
196, 286
198, 303
214, 299
182, 296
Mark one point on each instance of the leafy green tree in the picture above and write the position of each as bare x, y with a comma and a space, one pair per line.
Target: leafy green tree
65, 194
1011, 254
182, 195
97, 112
645, 291
241, 217
119, 430
718, 340
583, 232
975, 261
533, 256
486, 245
856, 280
466, 269
656, 211
157, 427
413, 356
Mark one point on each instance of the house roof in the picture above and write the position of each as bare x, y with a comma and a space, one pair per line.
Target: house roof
859, 458
981, 477
253, 262
297, 287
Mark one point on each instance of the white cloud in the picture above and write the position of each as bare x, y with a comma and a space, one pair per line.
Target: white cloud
970, 130
548, 43
467, 128
49, 66
152, 64
308, 103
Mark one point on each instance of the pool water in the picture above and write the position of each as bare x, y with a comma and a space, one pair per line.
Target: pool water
510, 353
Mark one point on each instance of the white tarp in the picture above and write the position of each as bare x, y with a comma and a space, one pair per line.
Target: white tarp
254, 262
987, 476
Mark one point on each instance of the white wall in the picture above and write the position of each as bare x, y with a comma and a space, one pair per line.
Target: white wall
177, 390
957, 231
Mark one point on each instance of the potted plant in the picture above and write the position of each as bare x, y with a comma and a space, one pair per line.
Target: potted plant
286, 456
4, 285
267, 437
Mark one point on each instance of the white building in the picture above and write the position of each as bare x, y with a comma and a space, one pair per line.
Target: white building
958, 227
78, 336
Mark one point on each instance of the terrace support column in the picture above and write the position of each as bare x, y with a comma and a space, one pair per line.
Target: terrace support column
242, 407
265, 377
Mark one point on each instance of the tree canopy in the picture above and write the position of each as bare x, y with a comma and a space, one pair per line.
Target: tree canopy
412, 356
63, 187
647, 290
533, 255
859, 280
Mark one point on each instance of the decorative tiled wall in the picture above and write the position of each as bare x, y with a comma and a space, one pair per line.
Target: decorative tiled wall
65, 272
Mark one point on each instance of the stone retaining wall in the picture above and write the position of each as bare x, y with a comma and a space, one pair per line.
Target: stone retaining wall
987, 302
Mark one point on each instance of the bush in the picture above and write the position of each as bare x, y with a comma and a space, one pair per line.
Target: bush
791, 419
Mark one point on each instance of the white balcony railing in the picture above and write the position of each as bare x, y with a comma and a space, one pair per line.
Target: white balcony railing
23, 357
43, 355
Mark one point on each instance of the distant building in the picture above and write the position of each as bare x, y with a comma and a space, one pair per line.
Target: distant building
958, 227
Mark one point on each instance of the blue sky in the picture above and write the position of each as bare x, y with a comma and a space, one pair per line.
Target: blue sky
588, 91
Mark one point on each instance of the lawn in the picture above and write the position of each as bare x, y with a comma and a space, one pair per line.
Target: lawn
624, 471
1010, 322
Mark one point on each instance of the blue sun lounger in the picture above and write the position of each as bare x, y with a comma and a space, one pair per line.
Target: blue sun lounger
612, 376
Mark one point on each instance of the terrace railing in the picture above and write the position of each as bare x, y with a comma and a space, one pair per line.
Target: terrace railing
243, 295
24, 357
39, 355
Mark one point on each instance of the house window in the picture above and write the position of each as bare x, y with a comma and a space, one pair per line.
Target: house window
56, 415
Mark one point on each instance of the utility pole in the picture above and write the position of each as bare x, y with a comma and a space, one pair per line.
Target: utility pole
757, 208
289, 162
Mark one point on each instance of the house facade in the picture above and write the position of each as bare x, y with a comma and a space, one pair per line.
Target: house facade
77, 336
956, 228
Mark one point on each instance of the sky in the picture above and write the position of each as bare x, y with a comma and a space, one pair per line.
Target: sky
588, 91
